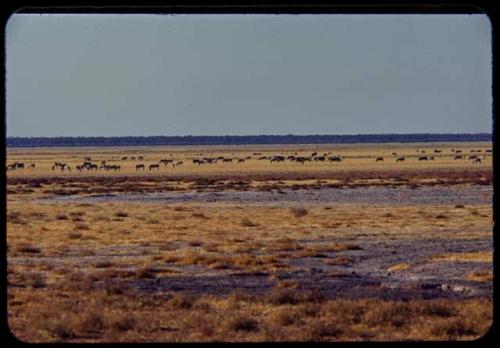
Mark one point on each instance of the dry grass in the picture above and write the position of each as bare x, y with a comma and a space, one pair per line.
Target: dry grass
464, 257
77, 298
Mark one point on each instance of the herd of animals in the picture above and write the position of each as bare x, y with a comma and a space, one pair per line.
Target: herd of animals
88, 165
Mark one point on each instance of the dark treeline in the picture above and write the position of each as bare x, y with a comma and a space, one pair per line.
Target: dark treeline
240, 140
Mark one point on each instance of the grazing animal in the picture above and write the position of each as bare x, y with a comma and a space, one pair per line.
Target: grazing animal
431, 158
487, 151
141, 158
87, 159
472, 157
458, 151
179, 163
334, 159
79, 168
277, 159
154, 166
437, 151
124, 158
226, 160
423, 158
476, 160
379, 159
394, 153
300, 160
139, 166
103, 162
241, 160
314, 154
458, 157
400, 159
32, 165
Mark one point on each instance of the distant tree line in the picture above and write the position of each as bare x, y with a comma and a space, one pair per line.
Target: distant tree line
240, 140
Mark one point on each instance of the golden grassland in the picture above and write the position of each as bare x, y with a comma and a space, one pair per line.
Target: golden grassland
72, 265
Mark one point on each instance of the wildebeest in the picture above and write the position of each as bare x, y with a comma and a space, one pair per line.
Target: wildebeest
476, 160
334, 159
226, 160
379, 159
300, 159
431, 158
473, 157
458, 157
320, 158
277, 159
394, 153
437, 151
79, 168
139, 166
103, 162
132, 158
198, 161
154, 166
400, 159
458, 151
87, 159
167, 161
487, 151
124, 158
140, 158
314, 154
241, 160
32, 165
423, 158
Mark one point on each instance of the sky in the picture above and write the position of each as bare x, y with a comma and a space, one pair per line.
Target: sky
126, 75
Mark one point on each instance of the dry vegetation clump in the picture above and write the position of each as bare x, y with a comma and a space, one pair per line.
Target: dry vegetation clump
298, 212
480, 276
35, 280
123, 324
15, 217
121, 214
62, 216
200, 215
241, 322
28, 249
246, 222
182, 301
75, 235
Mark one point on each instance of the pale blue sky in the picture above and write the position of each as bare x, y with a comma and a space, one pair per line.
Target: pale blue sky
113, 75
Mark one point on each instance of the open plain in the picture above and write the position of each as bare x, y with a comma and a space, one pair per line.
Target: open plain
250, 243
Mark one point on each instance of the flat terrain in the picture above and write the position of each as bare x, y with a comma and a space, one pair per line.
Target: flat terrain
251, 250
